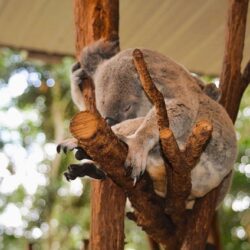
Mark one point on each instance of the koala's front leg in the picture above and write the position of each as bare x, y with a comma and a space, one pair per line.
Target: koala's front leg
86, 168
147, 135
140, 143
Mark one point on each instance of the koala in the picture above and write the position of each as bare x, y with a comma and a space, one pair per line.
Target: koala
122, 102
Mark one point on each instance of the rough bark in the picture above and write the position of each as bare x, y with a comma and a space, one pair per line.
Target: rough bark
94, 20
155, 96
215, 232
231, 79
153, 245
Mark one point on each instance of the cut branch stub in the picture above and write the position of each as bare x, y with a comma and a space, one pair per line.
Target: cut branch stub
171, 148
197, 141
86, 126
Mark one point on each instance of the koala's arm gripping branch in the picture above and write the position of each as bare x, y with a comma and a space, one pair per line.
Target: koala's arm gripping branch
97, 138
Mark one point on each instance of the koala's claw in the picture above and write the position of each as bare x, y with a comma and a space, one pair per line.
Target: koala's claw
67, 145
135, 166
135, 181
137, 157
85, 169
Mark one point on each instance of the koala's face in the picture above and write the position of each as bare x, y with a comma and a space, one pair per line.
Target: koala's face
117, 103
119, 95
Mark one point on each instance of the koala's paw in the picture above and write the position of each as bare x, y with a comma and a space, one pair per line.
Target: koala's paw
88, 168
78, 75
137, 156
67, 145
71, 144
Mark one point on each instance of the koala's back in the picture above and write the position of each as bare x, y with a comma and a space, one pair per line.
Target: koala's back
163, 70
117, 80
220, 154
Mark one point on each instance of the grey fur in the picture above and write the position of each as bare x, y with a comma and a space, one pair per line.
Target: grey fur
120, 96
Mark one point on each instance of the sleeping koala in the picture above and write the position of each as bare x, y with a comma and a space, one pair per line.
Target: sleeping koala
122, 102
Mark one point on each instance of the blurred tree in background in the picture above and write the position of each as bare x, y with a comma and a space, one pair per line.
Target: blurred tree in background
37, 204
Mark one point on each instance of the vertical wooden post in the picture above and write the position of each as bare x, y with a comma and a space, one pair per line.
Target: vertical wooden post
95, 19
231, 79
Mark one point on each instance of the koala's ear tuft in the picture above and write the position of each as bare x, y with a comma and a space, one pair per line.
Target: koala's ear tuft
212, 91
109, 48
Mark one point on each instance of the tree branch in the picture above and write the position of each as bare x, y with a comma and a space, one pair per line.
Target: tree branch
230, 78
232, 91
179, 164
155, 96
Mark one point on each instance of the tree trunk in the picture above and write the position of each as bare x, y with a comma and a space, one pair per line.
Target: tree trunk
97, 19
231, 82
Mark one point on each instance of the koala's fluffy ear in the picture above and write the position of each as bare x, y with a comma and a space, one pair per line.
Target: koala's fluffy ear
108, 48
212, 91
96, 53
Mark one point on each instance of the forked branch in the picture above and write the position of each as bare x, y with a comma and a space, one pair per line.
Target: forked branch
179, 164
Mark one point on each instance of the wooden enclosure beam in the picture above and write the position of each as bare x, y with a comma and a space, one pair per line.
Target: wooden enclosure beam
97, 19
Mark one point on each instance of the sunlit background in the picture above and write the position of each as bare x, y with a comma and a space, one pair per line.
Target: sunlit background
37, 205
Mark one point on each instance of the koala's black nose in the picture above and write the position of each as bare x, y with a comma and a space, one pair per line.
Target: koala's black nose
111, 122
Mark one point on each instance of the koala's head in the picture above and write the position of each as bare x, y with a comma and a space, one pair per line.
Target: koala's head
119, 95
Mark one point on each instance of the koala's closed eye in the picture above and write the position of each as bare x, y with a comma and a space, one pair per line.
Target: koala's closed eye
128, 107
